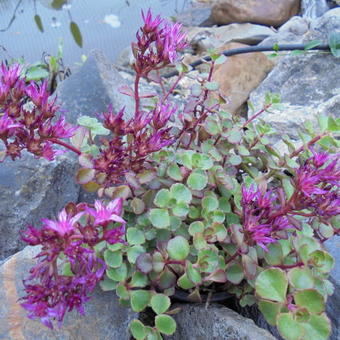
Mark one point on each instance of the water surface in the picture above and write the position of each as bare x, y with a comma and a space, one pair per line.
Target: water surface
109, 25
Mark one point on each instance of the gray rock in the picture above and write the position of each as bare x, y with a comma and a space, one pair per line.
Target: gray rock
32, 189
308, 85
333, 302
194, 322
92, 88
321, 27
104, 319
198, 14
313, 8
295, 25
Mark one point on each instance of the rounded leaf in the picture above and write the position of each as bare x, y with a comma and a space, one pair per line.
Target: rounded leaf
160, 218
138, 206
174, 172
197, 180
181, 193
311, 299
235, 273
178, 248
133, 253
270, 310
85, 175
317, 327
140, 299
289, 328
301, 278
272, 284
202, 161
162, 198
113, 259
210, 203
135, 236
144, 263
160, 303
165, 324
137, 330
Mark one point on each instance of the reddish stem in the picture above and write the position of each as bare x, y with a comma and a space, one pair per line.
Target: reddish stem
65, 145
302, 147
256, 115
288, 266
137, 98
180, 76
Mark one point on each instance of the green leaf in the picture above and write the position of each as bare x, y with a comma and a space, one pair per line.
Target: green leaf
160, 218
197, 180
137, 330
210, 203
234, 136
181, 193
178, 248
202, 161
67, 271
138, 280
165, 324
184, 282
160, 303
270, 310
333, 125
310, 299
76, 34
38, 22
312, 44
212, 126
117, 274
137, 205
318, 327
220, 60
212, 85
36, 73
272, 284
140, 299
334, 43
122, 292
301, 278
162, 198
133, 253
135, 236
235, 160
113, 259
235, 273
274, 255
193, 274
181, 209
196, 227
322, 260
288, 327
107, 284
174, 172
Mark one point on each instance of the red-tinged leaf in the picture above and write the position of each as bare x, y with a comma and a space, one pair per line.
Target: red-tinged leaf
144, 263
85, 175
217, 276
127, 90
78, 138
86, 161
249, 266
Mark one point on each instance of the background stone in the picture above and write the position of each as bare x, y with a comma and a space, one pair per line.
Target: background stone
30, 190
264, 12
104, 318
239, 75
217, 322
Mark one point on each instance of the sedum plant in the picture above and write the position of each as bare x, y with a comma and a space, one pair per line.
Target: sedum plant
191, 199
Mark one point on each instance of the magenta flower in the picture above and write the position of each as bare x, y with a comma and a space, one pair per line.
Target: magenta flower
65, 223
104, 214
9, 75
61, 129
249, 194
8, 126
161, 115
150, 24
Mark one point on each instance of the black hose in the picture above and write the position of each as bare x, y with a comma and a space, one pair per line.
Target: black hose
250, 49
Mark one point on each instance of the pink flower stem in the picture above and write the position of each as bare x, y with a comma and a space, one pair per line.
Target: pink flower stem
65, 145
311, 142
180, 76
256, 115
137, 98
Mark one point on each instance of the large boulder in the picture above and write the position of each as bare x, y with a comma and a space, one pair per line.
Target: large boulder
30, 190
239, 75
195, 322
203, 38
92, 88
264, 12
104, 318
308, 85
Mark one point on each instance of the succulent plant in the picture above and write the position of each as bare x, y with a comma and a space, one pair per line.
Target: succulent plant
210, 204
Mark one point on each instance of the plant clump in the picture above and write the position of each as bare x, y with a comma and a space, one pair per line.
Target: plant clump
198, 200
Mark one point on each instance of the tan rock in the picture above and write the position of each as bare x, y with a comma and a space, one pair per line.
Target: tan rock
104, 318
265, 12
239, 75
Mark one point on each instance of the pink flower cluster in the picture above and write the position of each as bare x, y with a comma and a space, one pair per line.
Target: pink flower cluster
26, 117
69, 241
266, 216
157, 44
132, 141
